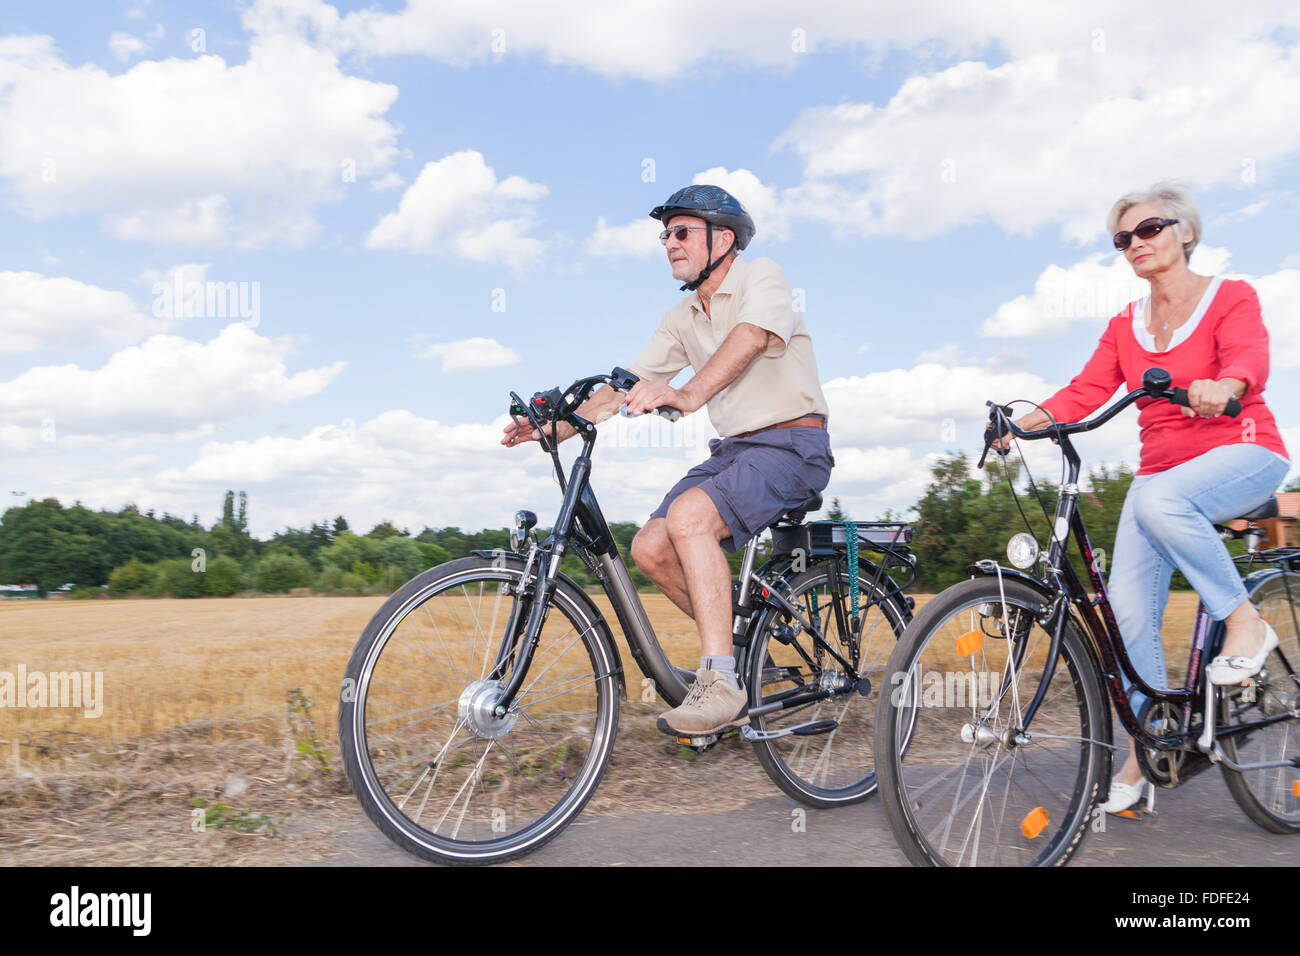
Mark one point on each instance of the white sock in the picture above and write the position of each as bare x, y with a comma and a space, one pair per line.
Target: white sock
726, 666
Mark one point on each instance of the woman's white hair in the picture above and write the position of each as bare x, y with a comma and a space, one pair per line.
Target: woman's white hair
1173, 201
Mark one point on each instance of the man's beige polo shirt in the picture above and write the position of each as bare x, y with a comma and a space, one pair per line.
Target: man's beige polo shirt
779, 385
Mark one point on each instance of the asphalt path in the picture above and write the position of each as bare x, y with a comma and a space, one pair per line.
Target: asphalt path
1197, 824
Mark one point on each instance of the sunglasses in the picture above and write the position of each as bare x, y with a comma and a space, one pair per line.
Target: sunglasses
679, 232
1146, 229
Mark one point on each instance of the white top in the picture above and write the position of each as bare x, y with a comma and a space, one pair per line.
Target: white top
1184, 331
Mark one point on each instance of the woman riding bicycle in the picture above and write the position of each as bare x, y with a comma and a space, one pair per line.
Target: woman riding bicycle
1198, 466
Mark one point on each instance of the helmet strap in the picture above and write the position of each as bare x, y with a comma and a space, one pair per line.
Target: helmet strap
708, 257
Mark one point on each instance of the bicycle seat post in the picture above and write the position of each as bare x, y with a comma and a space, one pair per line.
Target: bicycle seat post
741, 612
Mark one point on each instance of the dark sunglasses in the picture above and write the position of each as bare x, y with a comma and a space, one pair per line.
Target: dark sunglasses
1146, 229
678, 232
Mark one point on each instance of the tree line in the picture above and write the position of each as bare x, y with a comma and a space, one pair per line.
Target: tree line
962, 517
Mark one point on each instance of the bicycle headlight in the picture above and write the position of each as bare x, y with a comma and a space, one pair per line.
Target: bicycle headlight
524, 521
1022, 550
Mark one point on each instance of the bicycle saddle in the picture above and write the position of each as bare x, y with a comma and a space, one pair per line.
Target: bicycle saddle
796, 515
1267, 510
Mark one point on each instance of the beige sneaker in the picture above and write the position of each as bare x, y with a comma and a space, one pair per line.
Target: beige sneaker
711, 705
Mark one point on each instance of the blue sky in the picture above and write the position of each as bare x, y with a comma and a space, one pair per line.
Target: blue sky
437, 203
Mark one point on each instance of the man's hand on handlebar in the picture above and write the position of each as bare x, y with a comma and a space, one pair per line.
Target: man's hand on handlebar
646, 396
520, 430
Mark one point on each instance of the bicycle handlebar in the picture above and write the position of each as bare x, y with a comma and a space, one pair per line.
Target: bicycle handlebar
1155, 384
558, 405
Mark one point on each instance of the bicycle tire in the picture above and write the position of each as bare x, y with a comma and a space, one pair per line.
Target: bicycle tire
1269, 796
835, 768
504, 786
1040, 792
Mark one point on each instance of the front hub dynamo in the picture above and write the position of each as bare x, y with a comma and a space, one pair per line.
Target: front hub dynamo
477, 710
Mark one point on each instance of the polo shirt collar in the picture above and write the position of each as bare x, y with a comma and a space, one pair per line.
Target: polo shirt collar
728, 287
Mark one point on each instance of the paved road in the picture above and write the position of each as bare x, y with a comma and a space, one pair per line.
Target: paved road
1197, 824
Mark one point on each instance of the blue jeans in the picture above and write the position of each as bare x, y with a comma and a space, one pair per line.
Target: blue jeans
1167, 522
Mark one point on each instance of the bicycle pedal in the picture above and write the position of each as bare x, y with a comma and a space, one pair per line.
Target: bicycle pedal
699, 744
1135, 814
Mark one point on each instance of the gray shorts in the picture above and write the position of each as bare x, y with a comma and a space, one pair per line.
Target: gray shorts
753, 481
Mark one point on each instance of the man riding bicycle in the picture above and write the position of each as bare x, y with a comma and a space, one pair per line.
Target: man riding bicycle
755, 371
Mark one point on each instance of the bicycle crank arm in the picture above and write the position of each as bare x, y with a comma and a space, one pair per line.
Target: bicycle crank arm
803, 730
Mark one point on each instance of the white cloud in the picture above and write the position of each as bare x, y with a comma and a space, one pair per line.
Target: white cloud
164, 384
468, 355
1092, 290
458, 206
638, 238
947, 354
668, 39
1279, 302
760, 200
932, 405
189, 150
184, 273
1102, 284
39, 311
1050, 138
125, 45
194, 222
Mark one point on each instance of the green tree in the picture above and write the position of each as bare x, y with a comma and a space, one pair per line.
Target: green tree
403, 554
178, 578
279, 572
133, 576
224, 577
382, 530
431, 554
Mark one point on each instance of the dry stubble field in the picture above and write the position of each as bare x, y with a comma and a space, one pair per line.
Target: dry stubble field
210, 701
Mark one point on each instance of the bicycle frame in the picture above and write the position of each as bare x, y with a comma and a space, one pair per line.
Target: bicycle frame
1062, 586
581, 526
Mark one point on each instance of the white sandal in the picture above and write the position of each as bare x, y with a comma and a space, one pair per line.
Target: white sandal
1233, 670
1124, 795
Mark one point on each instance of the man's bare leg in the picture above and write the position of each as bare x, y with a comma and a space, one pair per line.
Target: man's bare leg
695, 529
656, 557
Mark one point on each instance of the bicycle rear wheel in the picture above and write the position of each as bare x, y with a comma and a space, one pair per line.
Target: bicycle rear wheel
428, 759
973, 786
836, 767
1269, 797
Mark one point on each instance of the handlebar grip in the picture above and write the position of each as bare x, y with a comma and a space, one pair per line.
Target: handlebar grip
1232, 409
668, 412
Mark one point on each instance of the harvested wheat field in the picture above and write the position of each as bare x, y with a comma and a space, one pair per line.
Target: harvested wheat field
215, 741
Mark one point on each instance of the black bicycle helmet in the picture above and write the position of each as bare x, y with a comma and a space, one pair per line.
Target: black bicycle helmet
715, 206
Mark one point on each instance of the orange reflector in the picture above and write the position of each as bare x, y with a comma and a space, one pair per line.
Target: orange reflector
1033, 823
1295, 789
1127, 813
969, 643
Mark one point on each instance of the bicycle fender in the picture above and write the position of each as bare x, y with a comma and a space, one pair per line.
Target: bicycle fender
517, 560
1010, 574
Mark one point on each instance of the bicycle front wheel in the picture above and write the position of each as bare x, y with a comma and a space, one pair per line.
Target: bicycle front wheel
836, 766
430, 762
1270, 797
973, 785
